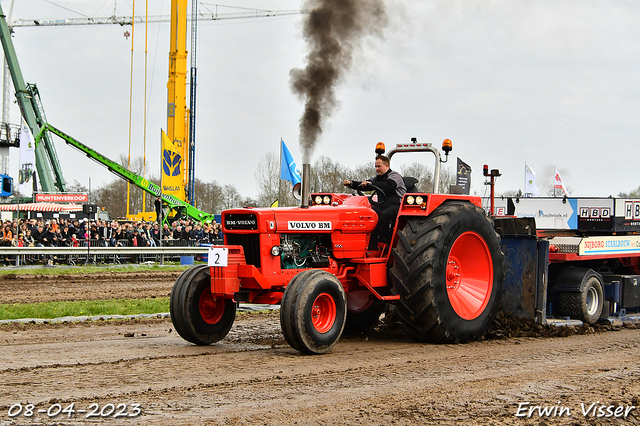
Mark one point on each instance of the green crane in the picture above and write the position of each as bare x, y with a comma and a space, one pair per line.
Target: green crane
177, 207
28, 98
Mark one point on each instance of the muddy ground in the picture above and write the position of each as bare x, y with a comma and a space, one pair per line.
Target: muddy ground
254, 377
32, 288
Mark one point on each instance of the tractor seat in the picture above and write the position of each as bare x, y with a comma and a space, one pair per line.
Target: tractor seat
410, 183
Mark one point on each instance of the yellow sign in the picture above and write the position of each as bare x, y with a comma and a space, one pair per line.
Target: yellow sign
172, 169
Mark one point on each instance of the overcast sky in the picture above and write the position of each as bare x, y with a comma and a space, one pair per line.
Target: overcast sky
551, 83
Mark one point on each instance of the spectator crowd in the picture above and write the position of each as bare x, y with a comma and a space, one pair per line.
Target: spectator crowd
76, 233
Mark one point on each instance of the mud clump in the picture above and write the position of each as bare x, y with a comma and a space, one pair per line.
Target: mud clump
507, 325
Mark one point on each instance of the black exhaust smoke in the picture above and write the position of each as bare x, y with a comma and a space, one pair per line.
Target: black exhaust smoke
332, 30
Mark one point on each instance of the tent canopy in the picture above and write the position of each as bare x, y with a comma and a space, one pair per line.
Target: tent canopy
41, 207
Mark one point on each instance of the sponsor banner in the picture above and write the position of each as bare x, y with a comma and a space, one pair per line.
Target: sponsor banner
307, 225
27, 172
584, 214
627, 215
463, 176
530, 188
172, 169
595, 213
62, 198
609, 245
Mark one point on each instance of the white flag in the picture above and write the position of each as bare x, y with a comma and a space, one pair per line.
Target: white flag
559, 184
27, 161
530, 188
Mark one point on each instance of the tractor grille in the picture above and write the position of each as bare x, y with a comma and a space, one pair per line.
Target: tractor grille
251, 245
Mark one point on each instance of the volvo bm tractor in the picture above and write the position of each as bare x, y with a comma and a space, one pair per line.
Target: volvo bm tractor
442, 271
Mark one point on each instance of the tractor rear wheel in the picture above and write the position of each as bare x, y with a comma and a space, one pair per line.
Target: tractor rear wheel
197, 315
447, 268
313, 311
363, 311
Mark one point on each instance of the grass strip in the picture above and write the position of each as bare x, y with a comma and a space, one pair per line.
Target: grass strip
49, 310
91, 269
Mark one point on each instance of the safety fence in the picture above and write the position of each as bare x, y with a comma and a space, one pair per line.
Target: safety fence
95, 252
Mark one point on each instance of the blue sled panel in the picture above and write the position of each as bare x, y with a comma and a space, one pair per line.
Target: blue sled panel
524, 287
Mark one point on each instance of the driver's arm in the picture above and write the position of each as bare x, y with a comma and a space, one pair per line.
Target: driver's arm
385, 185
353, 184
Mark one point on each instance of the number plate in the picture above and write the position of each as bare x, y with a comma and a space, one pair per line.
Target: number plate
218, 256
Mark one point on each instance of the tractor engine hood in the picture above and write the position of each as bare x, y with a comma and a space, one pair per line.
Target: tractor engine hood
349, 218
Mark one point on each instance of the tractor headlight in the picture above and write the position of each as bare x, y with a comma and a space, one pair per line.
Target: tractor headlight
318, 199
410, 199
326, 199
276, 250
419, 199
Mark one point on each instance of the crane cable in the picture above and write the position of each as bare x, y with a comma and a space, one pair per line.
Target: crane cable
133, 14
144, 139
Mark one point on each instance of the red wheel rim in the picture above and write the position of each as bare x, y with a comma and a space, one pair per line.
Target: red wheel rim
323, 313
469, 275
211, 308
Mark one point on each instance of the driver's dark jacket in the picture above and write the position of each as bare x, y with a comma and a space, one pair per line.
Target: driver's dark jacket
391, 183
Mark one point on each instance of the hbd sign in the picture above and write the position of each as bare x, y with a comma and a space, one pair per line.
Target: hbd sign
632, 210
595, 212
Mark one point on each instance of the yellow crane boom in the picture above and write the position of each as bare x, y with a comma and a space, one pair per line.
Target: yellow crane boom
174, 170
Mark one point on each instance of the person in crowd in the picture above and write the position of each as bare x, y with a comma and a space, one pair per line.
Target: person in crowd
73, 227
38, 235
103, 233
117, 237
46, 235
6, 236
155, 234
57, 239
28, 239
217, 230
18, 241
136, 239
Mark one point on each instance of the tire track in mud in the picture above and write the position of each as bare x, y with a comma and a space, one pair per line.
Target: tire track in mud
252, 377
32, 288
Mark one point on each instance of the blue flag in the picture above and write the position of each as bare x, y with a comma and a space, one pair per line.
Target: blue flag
288, 166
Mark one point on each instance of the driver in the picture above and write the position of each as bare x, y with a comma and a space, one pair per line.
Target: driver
392, 184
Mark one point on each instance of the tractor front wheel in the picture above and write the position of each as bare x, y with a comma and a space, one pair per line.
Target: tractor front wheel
197, 315
447, 268
313, 311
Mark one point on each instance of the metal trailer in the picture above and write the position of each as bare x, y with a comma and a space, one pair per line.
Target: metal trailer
576, 258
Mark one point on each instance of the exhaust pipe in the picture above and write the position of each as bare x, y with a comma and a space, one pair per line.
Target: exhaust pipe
306, 177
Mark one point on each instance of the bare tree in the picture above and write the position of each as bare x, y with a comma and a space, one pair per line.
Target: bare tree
267, 176
633, 194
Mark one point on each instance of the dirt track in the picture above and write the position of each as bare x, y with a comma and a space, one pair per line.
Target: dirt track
253, 377
32, 288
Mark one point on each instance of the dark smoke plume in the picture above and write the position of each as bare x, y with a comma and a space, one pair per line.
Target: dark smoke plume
332, 30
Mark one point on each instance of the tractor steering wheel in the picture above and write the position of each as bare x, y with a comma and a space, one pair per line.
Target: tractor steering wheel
382, 197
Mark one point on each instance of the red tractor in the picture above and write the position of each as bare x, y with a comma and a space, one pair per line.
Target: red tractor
442, 270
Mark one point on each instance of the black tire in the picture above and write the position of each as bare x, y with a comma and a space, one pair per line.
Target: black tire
313, 311
363, 312
585, 304
437, 261
176, 314
197, 316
